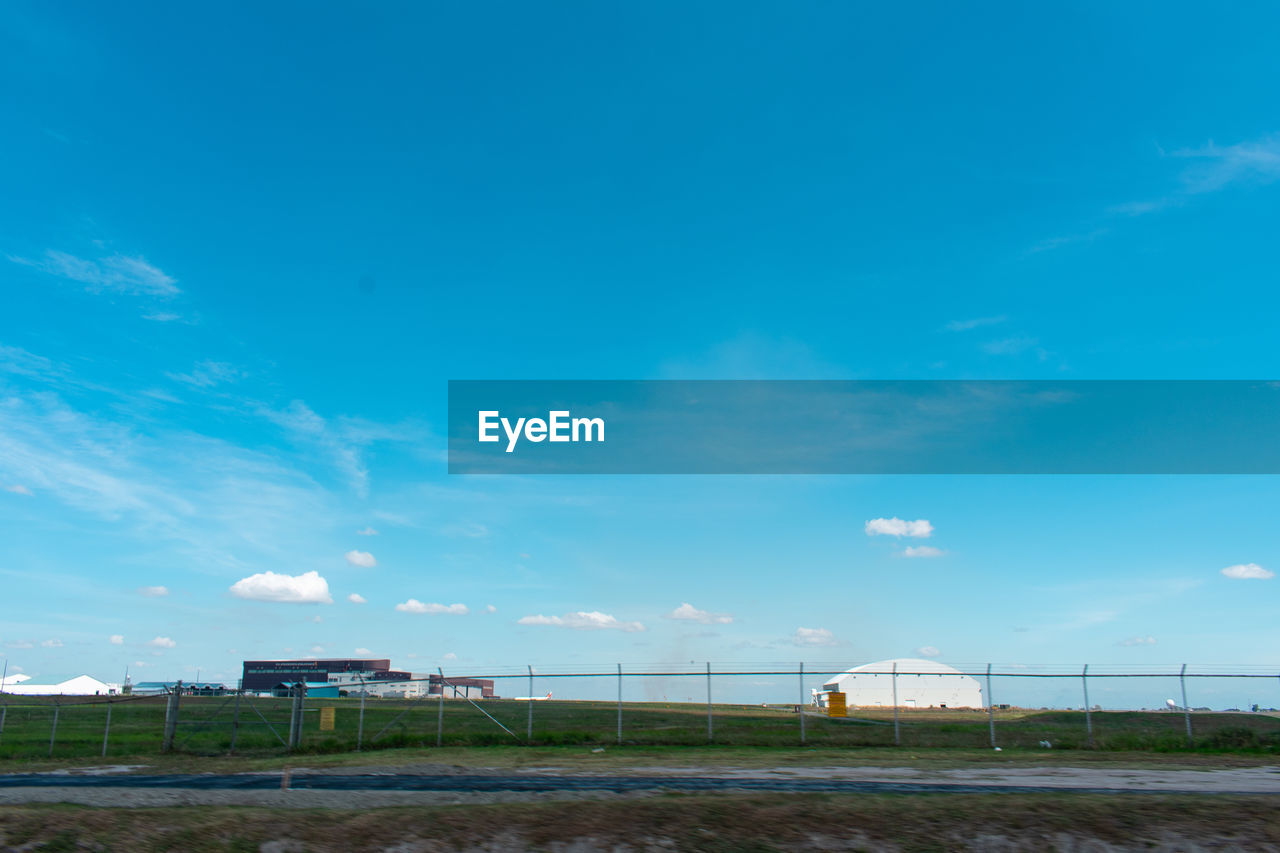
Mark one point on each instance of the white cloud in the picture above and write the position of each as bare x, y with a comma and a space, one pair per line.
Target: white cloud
1248, 571
52, 644
583, 621
21, 644
18, 489
489, 608
450, 656
154, 591
413, 605
318, 619
813, 637
163, 643
363, 651
117, 639
317, 650
929, 652
357, 598
687, 612
976, 322
363, 559
1138, 641
368, 531
919, 529
306, 588
118, 273
922, 551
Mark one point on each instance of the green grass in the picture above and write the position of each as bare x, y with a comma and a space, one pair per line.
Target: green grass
206, 728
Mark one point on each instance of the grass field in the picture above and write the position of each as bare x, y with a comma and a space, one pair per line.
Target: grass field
206, 727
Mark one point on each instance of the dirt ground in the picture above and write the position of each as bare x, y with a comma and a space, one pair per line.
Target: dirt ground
806, 822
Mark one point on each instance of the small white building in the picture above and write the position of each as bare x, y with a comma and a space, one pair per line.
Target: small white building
81, 685
920, 684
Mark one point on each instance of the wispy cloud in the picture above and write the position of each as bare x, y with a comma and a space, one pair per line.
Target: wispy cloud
154, 591
116, 273
1211, 168
688, 613
18, 489
1138, 641
929, 652
925, 551
974, 323
207, 374
1009, 346
163, 643
357, 598
1066, 240
413, 605
368, 531
583, 621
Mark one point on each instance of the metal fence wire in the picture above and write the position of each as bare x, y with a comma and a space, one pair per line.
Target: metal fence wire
1087, 707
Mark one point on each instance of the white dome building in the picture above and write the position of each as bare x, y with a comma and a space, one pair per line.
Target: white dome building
935, 686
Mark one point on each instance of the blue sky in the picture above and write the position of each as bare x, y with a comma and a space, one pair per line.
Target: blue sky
242, 251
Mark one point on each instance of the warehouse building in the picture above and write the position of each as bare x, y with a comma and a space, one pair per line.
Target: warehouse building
81, 685
358, 677
927, 684
264, 676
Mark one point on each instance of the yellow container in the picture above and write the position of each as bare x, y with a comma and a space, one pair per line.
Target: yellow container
326, 719
836, 706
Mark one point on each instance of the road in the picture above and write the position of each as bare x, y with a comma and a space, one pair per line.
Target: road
336, 788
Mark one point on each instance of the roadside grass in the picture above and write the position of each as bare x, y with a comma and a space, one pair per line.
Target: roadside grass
917, 823
207, 724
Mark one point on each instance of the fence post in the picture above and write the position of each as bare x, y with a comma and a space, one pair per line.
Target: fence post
801, 707
235, 716
440, 711
106, 731
1088, 712
295, 719
619, 704
991, 709
53, 732
530, 730
171, 718
360, 725
708, 701
897, 732
1186, 709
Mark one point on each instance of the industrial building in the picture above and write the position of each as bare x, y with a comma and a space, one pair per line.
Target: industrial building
929, 684
358, 677
264, 676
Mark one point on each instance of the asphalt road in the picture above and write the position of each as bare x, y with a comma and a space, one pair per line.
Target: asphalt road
544, 784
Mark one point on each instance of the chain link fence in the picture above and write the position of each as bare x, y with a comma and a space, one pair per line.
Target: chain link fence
1161, 708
